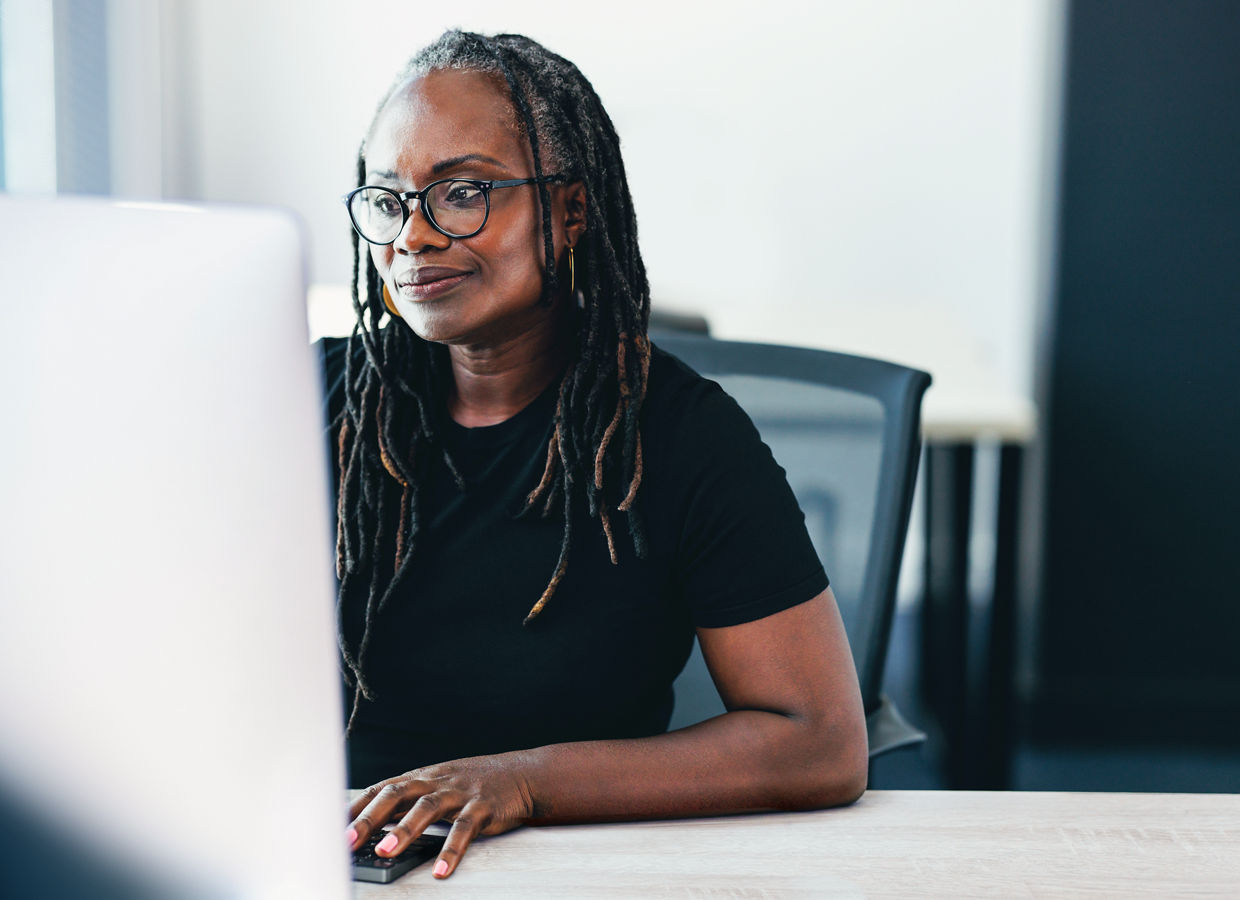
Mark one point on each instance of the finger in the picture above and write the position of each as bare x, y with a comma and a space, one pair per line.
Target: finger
391, 799
355, 808
469, 822
426, 809
363, 799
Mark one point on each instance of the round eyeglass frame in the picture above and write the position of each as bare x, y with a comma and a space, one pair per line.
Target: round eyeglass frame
486, 186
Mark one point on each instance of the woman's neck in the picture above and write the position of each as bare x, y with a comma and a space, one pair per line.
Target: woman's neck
493, 383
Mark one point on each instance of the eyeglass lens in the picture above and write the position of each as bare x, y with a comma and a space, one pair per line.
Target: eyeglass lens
456, 207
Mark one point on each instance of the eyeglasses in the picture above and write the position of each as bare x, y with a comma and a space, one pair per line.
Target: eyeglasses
456, 207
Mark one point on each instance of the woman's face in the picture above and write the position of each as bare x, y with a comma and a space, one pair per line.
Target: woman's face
480, 290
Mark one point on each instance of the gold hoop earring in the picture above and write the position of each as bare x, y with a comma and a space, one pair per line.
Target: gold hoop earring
387, 301
572, 274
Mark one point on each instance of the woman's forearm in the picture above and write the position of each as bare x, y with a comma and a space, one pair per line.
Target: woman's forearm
795, 740
743, 761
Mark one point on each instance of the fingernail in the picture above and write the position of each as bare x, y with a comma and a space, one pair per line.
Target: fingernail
441, 868
351, 836
388, 844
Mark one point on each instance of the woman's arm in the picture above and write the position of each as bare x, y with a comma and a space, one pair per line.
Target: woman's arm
793, 738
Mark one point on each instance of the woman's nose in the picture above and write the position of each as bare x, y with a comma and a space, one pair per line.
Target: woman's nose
418, 234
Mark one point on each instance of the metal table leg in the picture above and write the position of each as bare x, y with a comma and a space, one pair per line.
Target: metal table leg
976, 721
945, 609
998, 714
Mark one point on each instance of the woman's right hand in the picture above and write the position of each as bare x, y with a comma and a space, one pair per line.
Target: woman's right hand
480, 795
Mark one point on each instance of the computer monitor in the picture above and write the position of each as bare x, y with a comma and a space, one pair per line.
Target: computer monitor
170, 708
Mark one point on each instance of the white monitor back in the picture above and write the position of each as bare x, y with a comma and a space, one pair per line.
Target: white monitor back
168, 686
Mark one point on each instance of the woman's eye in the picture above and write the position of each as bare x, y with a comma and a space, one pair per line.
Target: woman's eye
385, 205
461, 193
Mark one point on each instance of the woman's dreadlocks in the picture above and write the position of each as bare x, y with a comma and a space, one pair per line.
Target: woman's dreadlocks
389, 426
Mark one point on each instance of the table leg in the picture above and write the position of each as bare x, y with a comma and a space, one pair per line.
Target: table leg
995, 769
945, 607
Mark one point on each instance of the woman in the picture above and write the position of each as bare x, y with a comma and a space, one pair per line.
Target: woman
538, 509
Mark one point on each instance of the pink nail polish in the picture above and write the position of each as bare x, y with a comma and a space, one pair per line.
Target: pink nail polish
351, 836
387, 845
441, 868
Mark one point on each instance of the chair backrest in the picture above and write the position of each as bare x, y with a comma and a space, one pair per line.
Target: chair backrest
847, 431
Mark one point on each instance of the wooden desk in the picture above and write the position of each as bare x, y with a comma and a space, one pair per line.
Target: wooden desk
890, 844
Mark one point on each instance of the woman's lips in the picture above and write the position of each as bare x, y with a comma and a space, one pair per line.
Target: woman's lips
423, 288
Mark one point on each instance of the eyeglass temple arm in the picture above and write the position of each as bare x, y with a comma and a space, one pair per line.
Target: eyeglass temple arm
513, 182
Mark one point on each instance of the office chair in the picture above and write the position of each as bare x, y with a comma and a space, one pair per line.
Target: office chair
847, 431
662, 320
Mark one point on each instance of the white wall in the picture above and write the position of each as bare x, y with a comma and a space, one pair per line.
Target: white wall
821, 170
28, 80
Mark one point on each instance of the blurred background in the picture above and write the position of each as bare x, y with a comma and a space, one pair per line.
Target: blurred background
1037, 201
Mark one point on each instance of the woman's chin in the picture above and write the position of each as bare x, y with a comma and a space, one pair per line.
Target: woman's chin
432, 325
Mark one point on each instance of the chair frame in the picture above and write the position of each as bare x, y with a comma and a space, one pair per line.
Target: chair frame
899, 389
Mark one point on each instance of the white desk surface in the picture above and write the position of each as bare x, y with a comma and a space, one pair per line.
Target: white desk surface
889, 844
966, 402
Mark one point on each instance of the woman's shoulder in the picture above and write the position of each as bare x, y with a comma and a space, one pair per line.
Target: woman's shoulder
673, 384
681, 401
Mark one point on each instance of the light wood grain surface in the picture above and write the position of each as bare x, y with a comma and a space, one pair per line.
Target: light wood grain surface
890, 844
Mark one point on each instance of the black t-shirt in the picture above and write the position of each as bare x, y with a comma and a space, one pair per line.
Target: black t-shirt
453, 670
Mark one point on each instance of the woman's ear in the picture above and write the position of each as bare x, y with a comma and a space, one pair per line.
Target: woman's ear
574, 212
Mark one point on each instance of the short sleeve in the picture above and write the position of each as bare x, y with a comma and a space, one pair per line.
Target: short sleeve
743, 551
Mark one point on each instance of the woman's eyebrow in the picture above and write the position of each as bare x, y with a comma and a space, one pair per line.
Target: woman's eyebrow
455, 161
442, 166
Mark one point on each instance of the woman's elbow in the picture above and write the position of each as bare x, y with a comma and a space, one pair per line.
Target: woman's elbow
841, 782
836, 769
848, 786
